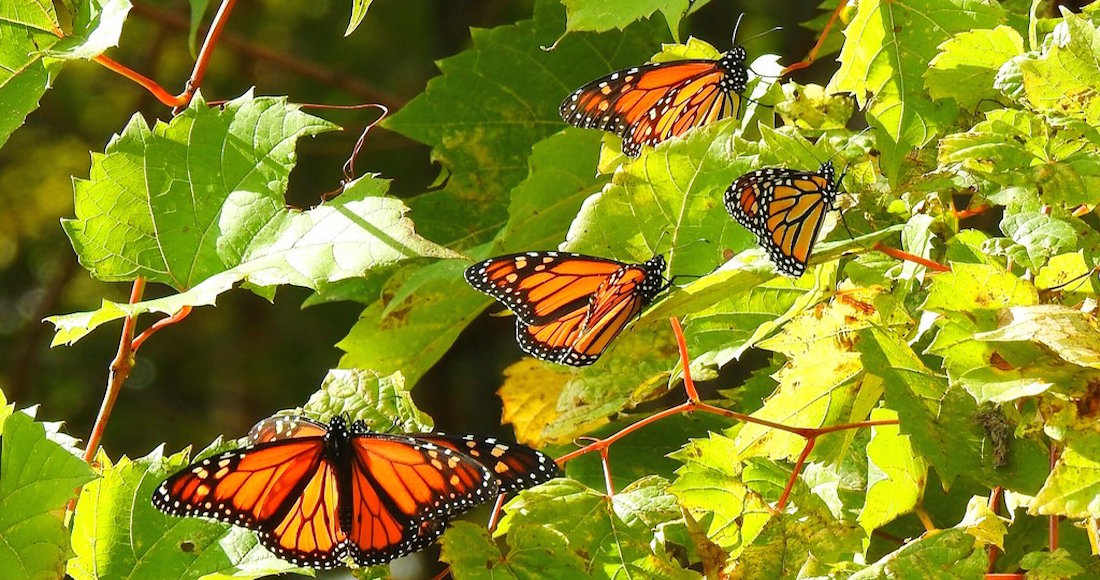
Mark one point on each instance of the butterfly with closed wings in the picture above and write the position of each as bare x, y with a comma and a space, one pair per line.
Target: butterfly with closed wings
568, 307
320, 494
785, 209
651, 103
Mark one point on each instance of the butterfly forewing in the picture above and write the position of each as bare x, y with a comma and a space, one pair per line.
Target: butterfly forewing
649, 104
569, 307
785, 209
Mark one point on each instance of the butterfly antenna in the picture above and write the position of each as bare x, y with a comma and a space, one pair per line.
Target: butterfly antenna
766, 32
736, 27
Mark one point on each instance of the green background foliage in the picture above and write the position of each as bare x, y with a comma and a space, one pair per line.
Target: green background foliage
971, 104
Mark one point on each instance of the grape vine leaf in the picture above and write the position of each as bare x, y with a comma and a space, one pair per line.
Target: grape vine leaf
1063, 77
896, 474
886, 52
604, 15
118, 533
534, 552
1073, 488
26, 29
38, 477
609, 535
1067, 332
97, 26
968, 62
383, 402
711, 487
493, 102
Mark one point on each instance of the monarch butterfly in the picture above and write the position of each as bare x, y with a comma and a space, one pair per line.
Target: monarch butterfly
648, 104
568, 307
319, 494
785, 209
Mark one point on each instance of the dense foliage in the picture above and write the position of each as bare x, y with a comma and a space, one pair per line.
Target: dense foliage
969, 136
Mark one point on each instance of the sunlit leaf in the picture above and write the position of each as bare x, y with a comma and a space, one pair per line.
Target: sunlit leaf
383, 402
1063, 77
26, 29
967, 63
1069, 333
37, 479
118, 533
358, 11
1073, 488
895, 476
530, 396
602, 15
97, 26
534, 552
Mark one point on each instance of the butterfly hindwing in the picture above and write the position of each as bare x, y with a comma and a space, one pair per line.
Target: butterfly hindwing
515, 467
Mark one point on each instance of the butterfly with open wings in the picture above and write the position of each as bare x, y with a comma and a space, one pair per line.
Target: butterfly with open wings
320, 494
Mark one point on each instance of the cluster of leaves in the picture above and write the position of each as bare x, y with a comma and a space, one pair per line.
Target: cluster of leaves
987, 368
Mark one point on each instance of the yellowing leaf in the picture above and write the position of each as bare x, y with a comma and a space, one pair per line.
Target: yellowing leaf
896, 474
530, 397
1071, 334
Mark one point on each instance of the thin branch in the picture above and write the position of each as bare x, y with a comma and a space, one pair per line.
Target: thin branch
907, 257
820, 42
206, 52
163, 322
120, 369
693, 404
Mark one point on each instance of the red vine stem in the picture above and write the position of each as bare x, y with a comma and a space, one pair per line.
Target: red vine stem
163, 322
694, 404
217, 26
907, 257
820, 41
962, 214
995, 507
120, 369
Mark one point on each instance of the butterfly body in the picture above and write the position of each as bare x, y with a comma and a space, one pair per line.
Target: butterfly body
568, 307
785, 209
651, 103
320, 494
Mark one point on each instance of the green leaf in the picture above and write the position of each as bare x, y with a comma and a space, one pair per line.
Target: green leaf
790, 539
535, 552
358, 11
818, 386
1067, 332
145, 213
959, 552
896, 475
384, 403
886, 52
1042, 236
1054, 565
493, 103
604, 15
26, 29
968, 62
711, 487
38, 477
1063, 77
1073, 488
1060, 158
597, 529
118, 533
939, 420
409, 335
971, 287
97, 26
811, 108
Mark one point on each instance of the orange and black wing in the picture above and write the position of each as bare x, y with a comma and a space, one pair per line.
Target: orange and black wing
405, 491
580, 337
514, 466
648, 104
542, 286
285, 427
569, 307
785, 209
286, 490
